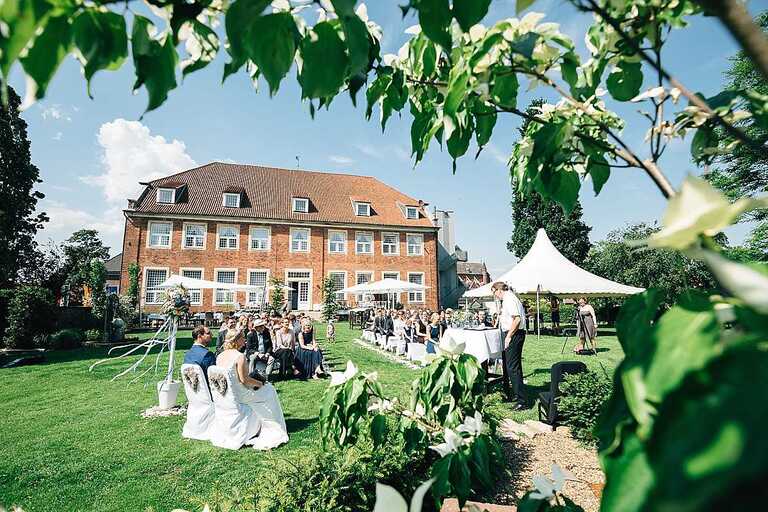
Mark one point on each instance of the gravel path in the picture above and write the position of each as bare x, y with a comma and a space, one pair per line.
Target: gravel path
528, 457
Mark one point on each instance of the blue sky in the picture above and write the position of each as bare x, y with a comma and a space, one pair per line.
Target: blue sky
92, 153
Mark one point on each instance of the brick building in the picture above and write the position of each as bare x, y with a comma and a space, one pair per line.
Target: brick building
246, 224
473, 275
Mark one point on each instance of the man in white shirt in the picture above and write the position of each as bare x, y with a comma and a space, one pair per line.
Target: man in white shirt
512, 323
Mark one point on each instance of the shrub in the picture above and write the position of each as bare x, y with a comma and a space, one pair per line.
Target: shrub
583, 398
126, 310
67, 338
94, 335
31, 316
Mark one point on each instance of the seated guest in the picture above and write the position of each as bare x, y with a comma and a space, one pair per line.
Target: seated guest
229, 324
448, 321
483, 320
258, 347
433, 334
198, 353
421, 327
399, 325
259, 396
285, 347
242, 322
308, 354
409, 331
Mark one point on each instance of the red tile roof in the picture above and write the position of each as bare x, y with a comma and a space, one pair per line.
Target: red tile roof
268, 192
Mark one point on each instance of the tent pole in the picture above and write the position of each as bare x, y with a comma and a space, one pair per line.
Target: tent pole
538, 321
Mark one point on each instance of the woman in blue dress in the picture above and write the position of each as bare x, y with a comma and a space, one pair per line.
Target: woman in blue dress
433, 333
308, 354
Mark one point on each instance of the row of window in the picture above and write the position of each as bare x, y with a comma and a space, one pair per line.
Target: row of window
298, 204
153, 277
259, 239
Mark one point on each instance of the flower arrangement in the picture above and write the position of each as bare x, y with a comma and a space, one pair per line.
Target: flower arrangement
177, 301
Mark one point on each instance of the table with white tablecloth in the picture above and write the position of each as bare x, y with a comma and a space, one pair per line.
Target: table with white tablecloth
484, 344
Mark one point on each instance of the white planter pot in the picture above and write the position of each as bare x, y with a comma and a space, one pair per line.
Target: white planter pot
167, 393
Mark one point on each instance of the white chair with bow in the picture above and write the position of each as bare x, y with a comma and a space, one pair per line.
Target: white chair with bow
234, 423
200, 410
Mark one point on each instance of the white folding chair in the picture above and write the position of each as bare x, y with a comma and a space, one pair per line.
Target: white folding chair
200, 409
417, 352
234, 423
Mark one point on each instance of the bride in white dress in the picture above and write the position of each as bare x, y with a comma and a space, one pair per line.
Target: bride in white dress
260, 397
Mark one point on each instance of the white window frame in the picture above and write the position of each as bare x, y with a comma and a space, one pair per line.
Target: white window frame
409, 209
397, 245
216, 290
373, 240
230, 194
184, 235
346, 240
149, 234
198, 290
358, 204
157, 297
166, 189
359, 296
218, 237
309, 240
266, 284
412, 296
408, 245
269, 238
340, 295
295, 202
309, 280
397, 273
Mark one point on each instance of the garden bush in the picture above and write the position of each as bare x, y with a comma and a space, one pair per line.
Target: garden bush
67, 338
94, 335
30, 316
584, 396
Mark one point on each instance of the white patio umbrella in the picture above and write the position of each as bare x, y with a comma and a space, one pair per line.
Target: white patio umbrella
386, 286
192, 283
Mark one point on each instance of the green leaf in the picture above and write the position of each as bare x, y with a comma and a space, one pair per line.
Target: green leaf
21, 19
358, 44
599, 171
629, 477
344, 7
209, 47
376, 90
709, 438
102, 40
485, 121
441, 472
460, 476
458, 142
47, 51
422, 132
435, 21
378, 429
324, 62
504, 89
470, 12
523, 5
458, 81
155, 62
237, 24
625, 81
525, 44
704, 138
395, 97
271, 45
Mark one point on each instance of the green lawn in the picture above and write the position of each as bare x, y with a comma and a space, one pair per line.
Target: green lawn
73, 440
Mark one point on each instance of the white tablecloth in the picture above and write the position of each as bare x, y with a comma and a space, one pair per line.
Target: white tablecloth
484, 345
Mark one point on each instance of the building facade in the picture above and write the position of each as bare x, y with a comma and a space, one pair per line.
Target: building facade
473, 275
248, 224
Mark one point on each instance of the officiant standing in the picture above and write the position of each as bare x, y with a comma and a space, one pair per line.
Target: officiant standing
512, 323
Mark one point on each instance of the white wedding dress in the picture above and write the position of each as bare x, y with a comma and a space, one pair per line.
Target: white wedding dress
265, 404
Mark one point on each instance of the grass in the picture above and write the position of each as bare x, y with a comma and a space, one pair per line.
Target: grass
73, 440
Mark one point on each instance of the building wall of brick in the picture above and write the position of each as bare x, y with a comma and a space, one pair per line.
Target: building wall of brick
276, 260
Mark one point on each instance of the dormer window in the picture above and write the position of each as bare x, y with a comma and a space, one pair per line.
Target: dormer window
166, 195
300, 205
411, 212
231, 200
362, 209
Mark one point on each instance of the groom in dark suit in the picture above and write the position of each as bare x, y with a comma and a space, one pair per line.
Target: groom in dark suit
199, 353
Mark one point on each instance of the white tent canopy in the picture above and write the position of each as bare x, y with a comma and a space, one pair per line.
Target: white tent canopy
202, 284
543, 270
385, 286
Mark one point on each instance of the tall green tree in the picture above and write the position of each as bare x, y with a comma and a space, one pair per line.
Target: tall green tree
330, 303
18, 198
530, 212
619, 258
80, 251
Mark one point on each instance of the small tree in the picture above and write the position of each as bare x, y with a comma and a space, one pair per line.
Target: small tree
278, 296
79, 250
31, 314
133, 283
97, 281
330, 301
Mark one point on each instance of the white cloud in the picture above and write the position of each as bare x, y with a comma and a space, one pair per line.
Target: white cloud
65, 220
132, 154
340, 159
55, 112
496, 153
369, 150
58, 136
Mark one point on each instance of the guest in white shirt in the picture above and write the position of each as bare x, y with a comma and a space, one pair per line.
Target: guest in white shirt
512, 323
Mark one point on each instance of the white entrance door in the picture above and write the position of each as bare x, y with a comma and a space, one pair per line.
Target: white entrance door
300, 282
